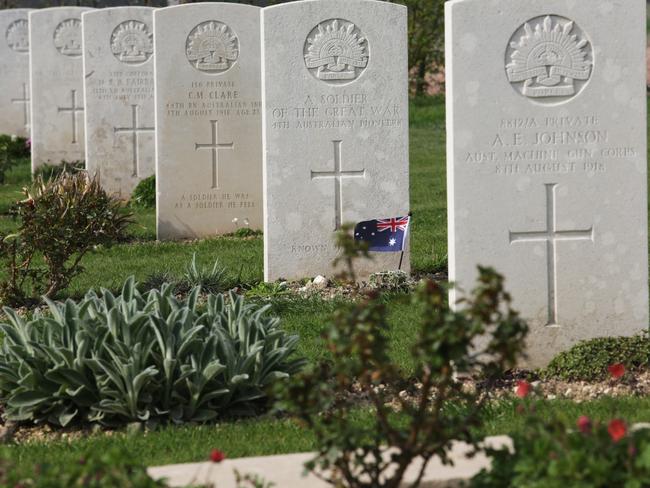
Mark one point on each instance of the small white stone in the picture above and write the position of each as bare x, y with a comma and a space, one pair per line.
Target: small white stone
320, 282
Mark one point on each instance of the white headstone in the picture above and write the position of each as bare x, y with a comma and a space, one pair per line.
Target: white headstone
336, 129
119, 96
546, 121
56, 85
208, 119
14, 66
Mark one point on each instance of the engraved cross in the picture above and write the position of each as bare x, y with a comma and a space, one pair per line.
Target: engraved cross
338, 175
551, 236
215, 146
74, 109
134, 130
25, 101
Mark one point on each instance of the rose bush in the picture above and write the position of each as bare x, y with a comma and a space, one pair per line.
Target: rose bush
589, 454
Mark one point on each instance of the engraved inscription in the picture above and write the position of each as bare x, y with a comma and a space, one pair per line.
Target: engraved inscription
310, 249
549, 59
73, 110
17, 36
217, 201
212, 47
551, 236
338, 175
211, 99
336, 52
132, 42
534, 145
134, 130
24, 101
129, 85
215, 147
67, 38
339, 111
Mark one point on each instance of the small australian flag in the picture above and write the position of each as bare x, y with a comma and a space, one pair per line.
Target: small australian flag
383, 235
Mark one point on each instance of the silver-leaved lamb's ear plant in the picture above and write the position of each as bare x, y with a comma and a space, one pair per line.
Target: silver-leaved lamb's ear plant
142, 357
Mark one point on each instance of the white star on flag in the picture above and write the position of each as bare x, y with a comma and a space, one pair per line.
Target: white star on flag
392, 242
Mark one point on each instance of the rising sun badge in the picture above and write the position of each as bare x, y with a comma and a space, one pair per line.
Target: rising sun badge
212, 47
132, 42
67, 38
336, 52
549, 59
17, 36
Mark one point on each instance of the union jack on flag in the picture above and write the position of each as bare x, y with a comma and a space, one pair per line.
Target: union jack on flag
383, 235
395, 224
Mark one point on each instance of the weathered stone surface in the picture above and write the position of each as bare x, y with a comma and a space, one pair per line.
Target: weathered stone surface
336, 129
119, 96
57, 85
546, 108
208, 138
14, 66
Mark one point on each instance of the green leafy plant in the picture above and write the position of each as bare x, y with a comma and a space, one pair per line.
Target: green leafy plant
249, 480
12, 150
157, 279
144, 194
96, 469
246, 232
135, 358
548, 453
210, 279
440, 410
350, 250
396, 281
269, 291
52, 171
60, 221
588, 360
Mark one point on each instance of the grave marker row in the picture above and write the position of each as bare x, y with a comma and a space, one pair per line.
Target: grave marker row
339, 87
546, 135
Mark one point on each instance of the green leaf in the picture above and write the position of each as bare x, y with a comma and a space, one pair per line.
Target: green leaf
28, 399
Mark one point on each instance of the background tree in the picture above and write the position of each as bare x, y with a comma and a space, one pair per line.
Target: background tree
426, 34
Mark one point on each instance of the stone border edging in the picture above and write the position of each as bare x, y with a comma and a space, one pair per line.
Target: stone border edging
287, 470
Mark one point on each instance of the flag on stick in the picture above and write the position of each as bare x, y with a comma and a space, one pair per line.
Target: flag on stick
383, 235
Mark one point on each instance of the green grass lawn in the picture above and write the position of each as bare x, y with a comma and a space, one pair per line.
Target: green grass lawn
143, 256
110, 267
266, 436
308, 317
